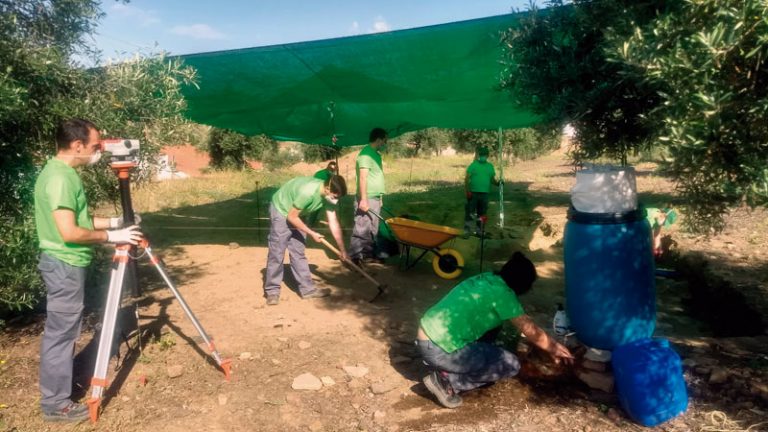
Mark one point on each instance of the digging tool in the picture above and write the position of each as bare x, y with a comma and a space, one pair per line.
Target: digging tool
379, 286
483, 221
501, 177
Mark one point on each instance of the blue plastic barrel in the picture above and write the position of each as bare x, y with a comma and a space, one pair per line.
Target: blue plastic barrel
609, 277
649, 381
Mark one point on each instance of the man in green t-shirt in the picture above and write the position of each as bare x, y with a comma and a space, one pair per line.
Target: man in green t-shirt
66, 231
449, 331
323, 174
477, 185
298, 199
370, 196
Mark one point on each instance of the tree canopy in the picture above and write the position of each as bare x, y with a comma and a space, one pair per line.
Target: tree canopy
688, 77
40, 85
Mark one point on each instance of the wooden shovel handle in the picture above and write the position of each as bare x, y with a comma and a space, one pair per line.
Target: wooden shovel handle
353, 265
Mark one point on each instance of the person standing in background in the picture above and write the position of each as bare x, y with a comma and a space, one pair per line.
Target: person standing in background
477, 185
370, 196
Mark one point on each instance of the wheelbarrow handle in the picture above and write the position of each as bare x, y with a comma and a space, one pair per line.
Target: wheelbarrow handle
377, 215
388, 211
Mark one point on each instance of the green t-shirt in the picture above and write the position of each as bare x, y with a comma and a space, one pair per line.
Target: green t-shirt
323, 175
370, 158
469, 310
652, 213
60, 187
302, 193
481, 175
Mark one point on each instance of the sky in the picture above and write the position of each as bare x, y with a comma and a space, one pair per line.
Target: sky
193, 26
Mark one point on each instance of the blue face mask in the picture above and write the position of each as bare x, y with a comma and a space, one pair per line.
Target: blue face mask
482, 158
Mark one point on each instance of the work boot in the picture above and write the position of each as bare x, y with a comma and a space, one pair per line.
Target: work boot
439, 386
74, 412
273, 299
318, 293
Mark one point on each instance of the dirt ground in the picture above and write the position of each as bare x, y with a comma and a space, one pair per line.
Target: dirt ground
271, 346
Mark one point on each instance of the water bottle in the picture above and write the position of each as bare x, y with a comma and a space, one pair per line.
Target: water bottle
560, 324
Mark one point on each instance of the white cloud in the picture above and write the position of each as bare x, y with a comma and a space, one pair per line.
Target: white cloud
144, 18
380, 25
354, 29
198, 31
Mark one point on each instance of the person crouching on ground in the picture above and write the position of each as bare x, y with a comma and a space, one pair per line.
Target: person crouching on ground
449, 331
299, 198
477, 185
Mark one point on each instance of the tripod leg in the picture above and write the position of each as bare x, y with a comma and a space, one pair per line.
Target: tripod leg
223, 364
99, 380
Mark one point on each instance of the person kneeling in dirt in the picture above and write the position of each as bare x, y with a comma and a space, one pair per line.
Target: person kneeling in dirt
659, 218
299, 198
449, 332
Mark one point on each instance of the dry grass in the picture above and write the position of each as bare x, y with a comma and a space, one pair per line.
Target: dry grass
718, 421
210, 188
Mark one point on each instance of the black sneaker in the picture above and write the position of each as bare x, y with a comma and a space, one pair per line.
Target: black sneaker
441, 388
74, 412
374, 260
318, 293
273, 299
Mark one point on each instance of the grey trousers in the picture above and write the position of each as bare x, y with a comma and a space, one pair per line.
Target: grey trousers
474, 208
65, 285
363, 240
476, 364
283, 236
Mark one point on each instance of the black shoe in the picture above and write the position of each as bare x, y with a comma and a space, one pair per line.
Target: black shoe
358, 262
318, 293
74, 412
273, 299
374, 260
441, 388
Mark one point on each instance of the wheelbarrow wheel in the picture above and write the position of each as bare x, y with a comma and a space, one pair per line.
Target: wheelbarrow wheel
448, 263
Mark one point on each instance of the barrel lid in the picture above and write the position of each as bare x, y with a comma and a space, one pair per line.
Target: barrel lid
605, 218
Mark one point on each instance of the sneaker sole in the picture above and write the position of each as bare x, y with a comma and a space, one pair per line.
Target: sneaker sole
59, 419
435, 390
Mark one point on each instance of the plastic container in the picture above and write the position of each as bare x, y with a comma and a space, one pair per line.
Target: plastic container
605, 189
649, 381
609, 277
560, 324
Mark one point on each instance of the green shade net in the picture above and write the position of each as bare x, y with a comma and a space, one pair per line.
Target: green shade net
439, 76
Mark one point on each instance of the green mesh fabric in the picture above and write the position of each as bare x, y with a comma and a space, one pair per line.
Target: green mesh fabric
439, 76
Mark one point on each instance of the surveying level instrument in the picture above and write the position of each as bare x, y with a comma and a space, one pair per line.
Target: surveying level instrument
123, 159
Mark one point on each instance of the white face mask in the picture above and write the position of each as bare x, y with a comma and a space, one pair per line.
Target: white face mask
331, 199
94, 158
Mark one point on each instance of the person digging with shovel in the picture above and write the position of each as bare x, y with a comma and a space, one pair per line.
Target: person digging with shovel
299, 198
450, 331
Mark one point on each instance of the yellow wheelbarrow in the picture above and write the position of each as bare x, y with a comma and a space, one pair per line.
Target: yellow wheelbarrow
447, 263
